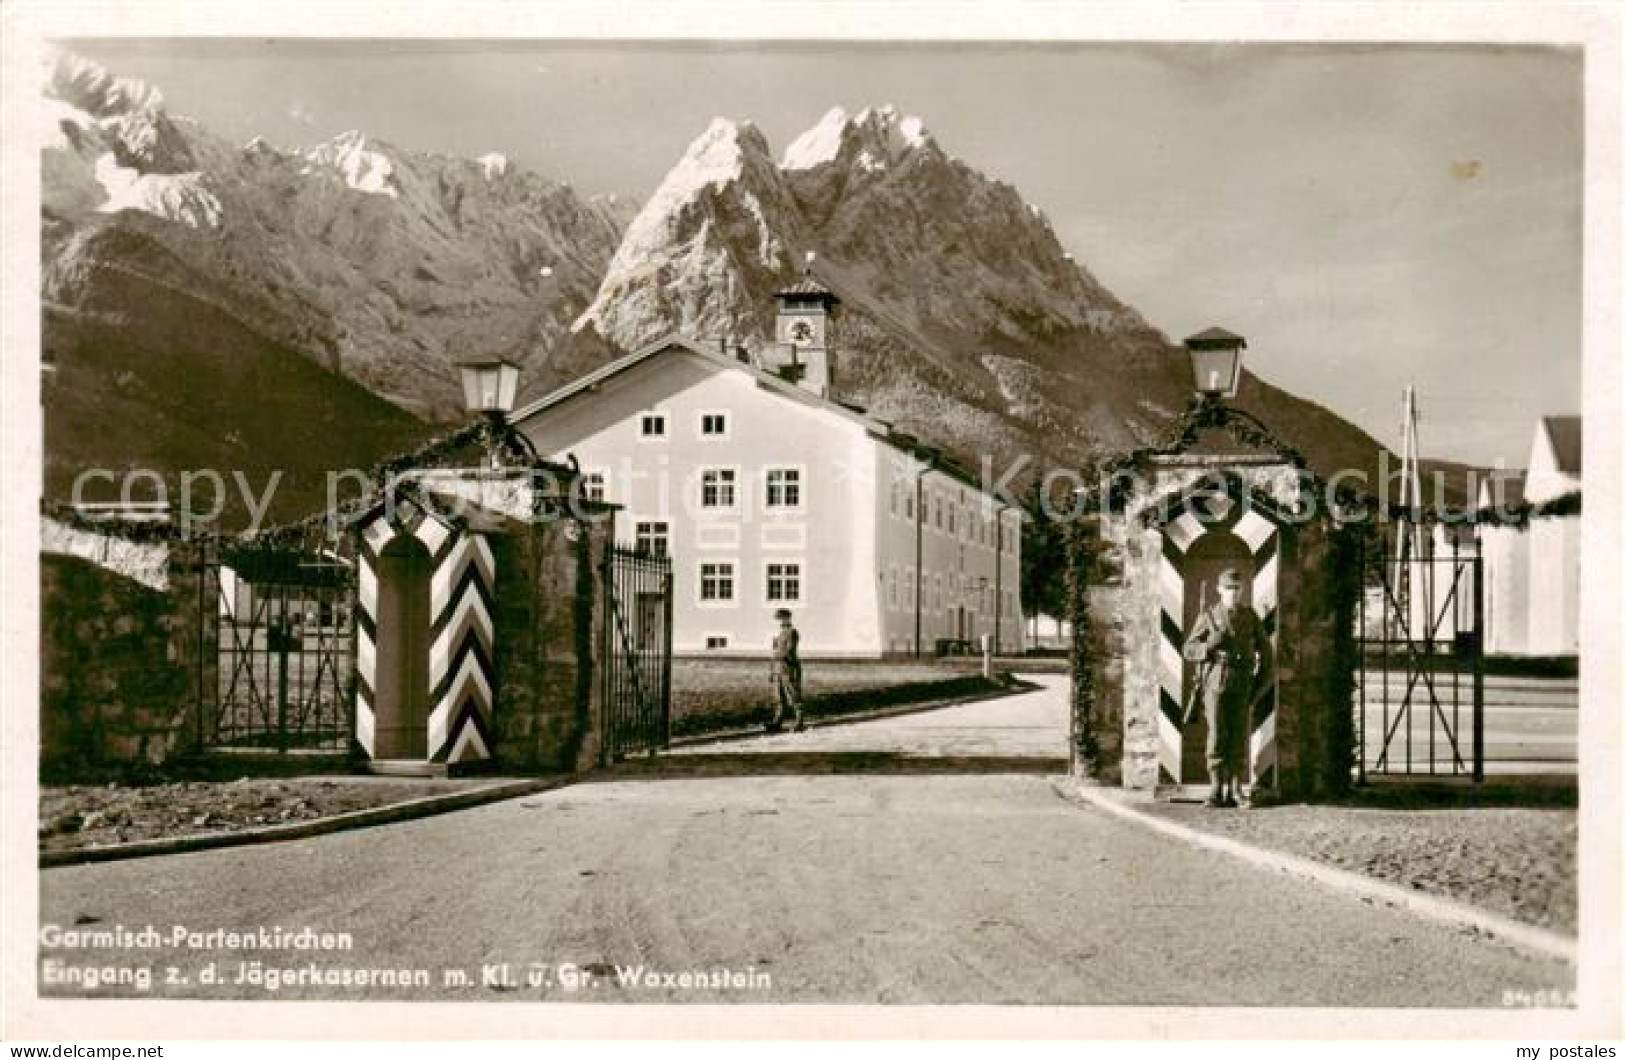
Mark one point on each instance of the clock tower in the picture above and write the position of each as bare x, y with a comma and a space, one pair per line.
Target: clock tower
801, 349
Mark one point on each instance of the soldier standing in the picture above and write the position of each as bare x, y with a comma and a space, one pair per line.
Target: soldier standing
786, 673
1227, 644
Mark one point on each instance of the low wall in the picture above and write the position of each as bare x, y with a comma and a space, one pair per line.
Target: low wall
146, 562
716, 694
113, 682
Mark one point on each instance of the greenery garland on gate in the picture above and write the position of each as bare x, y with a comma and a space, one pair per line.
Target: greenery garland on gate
384, 479
1358, 508
1203, 414
1083, 546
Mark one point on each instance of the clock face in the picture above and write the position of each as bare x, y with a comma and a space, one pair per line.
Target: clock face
799, 331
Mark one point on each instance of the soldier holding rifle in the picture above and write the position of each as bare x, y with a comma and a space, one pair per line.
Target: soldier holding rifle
1227, 643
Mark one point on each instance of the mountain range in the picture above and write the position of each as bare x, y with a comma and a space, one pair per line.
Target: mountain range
260, 303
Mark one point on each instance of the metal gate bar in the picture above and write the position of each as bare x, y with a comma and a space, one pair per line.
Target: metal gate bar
1416, 597
277, 647
637, 652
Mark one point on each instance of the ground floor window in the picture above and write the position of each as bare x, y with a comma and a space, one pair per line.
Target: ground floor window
653, 538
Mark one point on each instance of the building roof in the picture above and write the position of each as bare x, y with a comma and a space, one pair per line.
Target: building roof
877, 428
1510, 483
1564, 432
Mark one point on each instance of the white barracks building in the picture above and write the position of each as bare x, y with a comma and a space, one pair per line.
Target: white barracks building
767, 493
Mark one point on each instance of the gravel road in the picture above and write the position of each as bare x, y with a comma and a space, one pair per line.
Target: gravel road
1515, 861
867, 888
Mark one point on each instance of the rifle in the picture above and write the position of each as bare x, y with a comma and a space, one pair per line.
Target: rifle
1199, 675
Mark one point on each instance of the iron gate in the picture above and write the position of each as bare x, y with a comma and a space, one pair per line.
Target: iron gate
1420, 687
276, 662
637, 657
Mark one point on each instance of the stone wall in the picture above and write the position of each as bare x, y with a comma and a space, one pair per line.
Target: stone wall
548, 698
115, 678
1314, 731
1109, 637
1135, 616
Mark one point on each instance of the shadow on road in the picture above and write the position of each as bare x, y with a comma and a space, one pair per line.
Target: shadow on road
1420, 794
821, 763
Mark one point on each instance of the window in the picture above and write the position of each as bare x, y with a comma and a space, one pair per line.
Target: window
891, 589
713, 643
936, 510
908, 506
894, 491
716, 582
714, 424
593, 484
653, 425
783, 582
783, 487
717, 487
653, 538
952, 511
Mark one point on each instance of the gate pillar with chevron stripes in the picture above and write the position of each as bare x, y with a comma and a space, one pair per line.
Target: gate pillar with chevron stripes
1186, 517
1206, 532
425, 638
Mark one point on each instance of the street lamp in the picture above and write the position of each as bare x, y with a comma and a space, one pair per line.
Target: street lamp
1216, 362
489, 384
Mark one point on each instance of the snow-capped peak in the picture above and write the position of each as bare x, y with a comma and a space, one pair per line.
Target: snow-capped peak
727, 158
362, 166
495, 164
878, 137
819, 144
90, 87
716, 158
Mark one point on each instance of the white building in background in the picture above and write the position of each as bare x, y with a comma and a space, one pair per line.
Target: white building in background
768, 493
1532, 576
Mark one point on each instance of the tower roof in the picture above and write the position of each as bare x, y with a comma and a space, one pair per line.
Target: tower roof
807, 286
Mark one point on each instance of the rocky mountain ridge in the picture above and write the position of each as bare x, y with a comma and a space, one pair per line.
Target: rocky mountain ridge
379, 262
964, 319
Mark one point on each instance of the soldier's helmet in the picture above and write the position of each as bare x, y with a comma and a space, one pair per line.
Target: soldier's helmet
782, 613
1230, 579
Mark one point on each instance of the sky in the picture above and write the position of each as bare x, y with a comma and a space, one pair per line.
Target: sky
1367, 216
